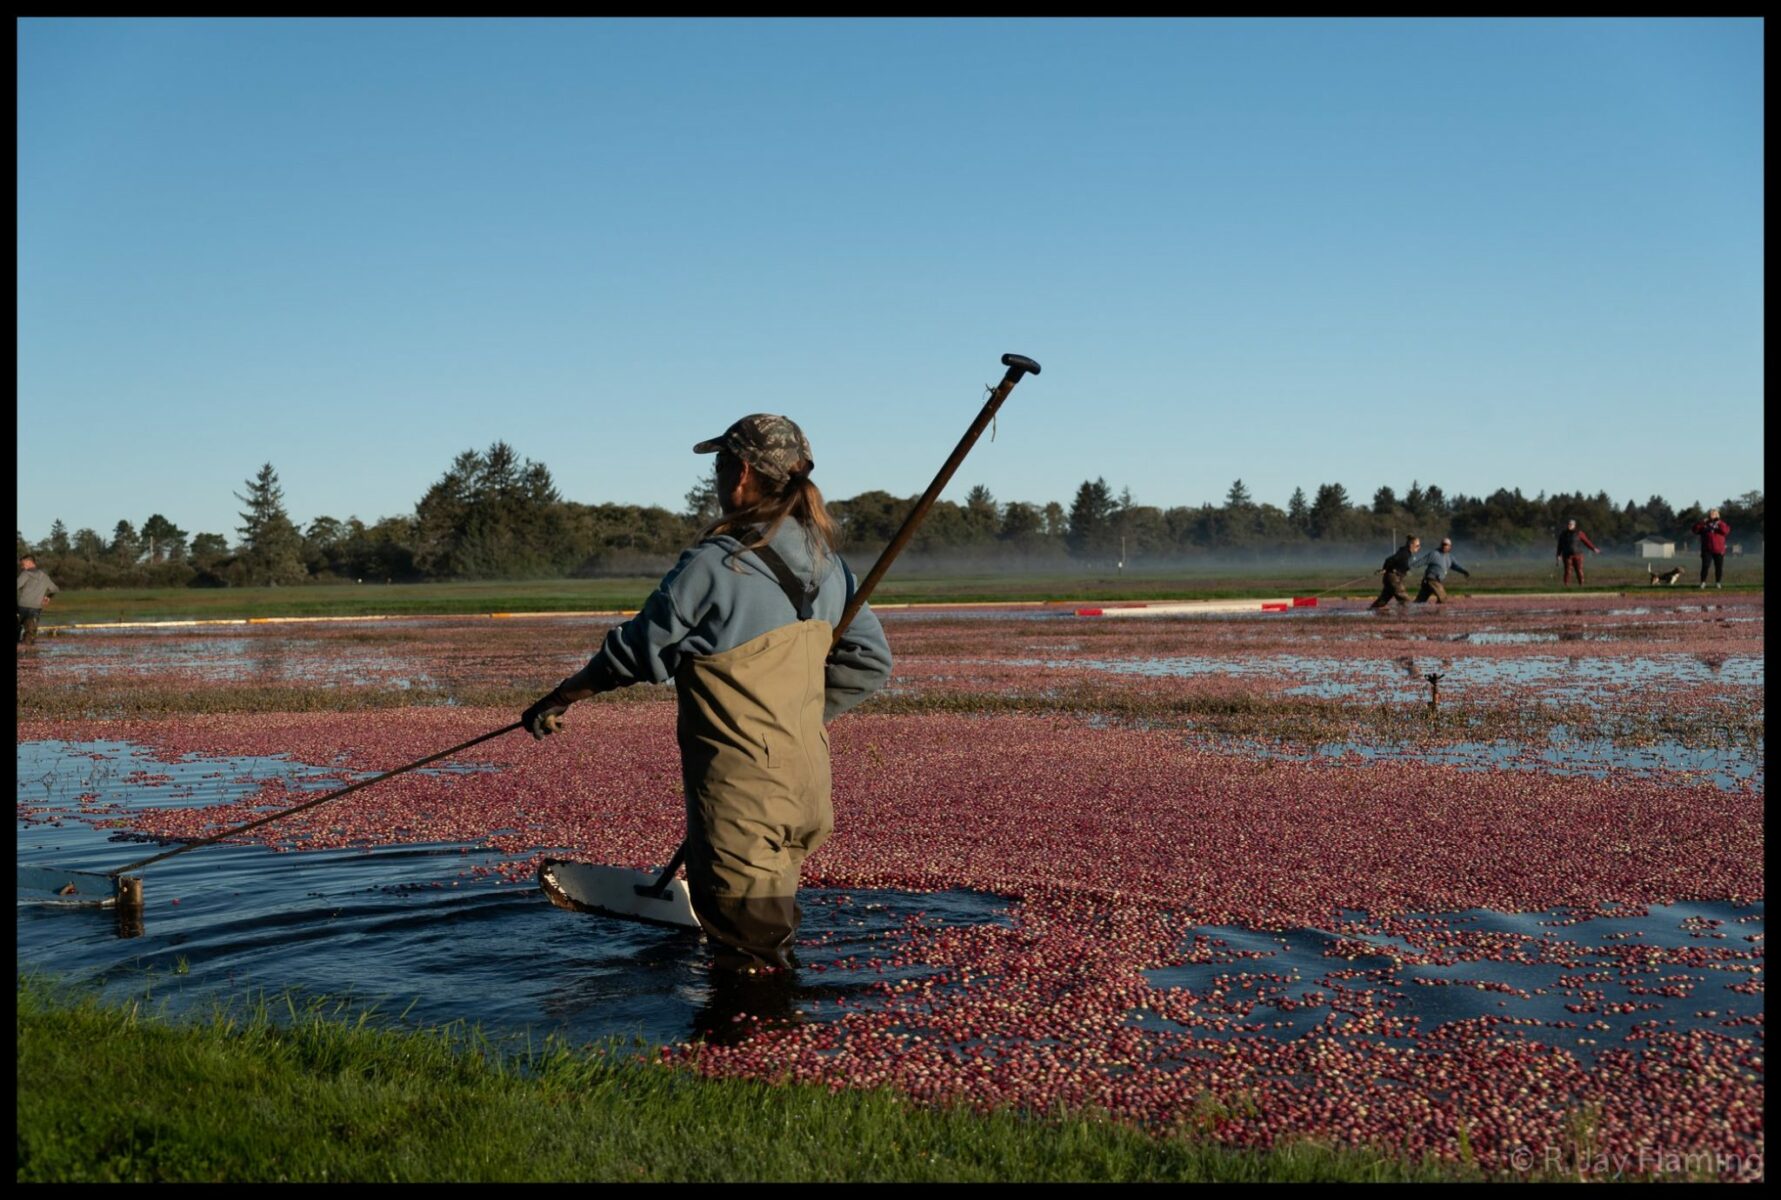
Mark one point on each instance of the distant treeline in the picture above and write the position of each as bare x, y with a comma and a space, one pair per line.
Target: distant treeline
494, 516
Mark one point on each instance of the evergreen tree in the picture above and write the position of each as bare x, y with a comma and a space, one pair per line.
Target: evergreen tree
1384, 502
982, 514
544, 522
1236, 524
59, 545
1328, 512
271, 547
1092, 518
125, 546
493, 516
1298, 512
442, 516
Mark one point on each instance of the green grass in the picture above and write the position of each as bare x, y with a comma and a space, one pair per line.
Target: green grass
911, 586
346, 600
110, 1093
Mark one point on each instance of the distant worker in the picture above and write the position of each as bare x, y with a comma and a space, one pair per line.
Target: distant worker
1394, 570
35, 589
1440, 561
1571, 541
1712, 532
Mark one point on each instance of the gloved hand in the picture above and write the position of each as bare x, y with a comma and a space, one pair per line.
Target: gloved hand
546, 716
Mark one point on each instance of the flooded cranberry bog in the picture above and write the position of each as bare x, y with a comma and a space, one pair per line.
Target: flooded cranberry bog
1244, 877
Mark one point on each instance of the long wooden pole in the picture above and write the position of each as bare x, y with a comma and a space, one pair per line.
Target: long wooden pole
1017, 365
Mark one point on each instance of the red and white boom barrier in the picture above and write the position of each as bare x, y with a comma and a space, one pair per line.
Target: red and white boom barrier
1189, 608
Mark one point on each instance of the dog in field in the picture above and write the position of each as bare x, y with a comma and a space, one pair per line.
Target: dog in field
1669, 576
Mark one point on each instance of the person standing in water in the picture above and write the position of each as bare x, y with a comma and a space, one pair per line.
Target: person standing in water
35, 589
743, 625
1571, 543
1712, 533
1440, 561
1394, 570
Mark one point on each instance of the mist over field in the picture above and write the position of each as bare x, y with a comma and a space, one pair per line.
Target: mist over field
496, 515
1313, 558
1319, 561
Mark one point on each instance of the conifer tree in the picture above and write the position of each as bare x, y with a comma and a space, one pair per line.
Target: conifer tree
271, 547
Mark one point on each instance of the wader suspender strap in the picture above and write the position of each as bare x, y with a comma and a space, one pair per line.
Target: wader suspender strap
801, 594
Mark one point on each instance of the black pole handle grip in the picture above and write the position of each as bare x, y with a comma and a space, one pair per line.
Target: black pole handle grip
1018, 364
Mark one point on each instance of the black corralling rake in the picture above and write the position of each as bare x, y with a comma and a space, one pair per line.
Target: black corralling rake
639, 895
119, 888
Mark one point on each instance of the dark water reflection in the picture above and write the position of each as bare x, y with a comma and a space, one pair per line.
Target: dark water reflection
1581, 983
1565, 752
406, 928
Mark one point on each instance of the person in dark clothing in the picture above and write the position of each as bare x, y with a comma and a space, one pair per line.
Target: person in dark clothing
1712, 533
1571, 541
1394, 570
1439, 563
35, 589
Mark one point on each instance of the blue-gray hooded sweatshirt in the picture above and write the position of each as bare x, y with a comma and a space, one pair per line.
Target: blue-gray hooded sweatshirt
1439, 564
719, 596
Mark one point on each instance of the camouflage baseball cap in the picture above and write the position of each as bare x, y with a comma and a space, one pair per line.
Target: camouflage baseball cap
771, 444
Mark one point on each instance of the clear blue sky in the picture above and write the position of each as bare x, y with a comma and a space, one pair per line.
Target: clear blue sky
1474, 253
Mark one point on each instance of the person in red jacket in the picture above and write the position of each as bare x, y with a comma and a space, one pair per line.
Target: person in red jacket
1571, 541
1712, 533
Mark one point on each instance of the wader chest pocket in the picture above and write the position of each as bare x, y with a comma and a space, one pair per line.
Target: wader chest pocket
779, 750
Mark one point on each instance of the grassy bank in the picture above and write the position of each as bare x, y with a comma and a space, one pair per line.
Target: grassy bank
110, 1093
904, 586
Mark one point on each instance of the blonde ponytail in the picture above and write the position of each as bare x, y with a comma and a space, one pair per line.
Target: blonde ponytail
798, 498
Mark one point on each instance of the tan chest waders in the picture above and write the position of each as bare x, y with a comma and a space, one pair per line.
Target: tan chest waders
755, 760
